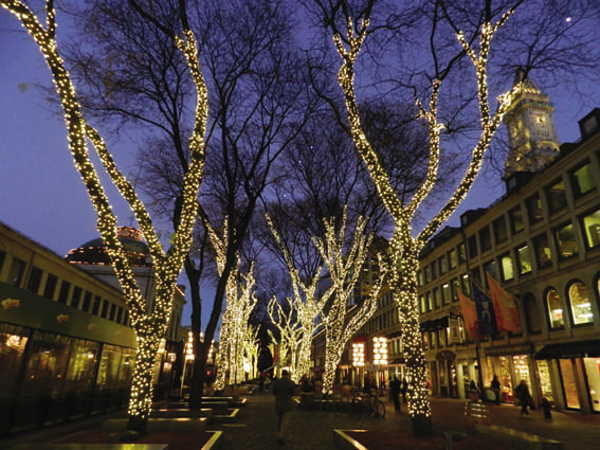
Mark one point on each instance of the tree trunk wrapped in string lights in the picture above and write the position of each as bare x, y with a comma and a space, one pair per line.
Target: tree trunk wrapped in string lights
306, 305
344, 259
404, 248
290, 332
149, 323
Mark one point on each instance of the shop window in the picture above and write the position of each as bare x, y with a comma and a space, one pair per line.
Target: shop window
108, 370
12, 346
523, 259
580, 302
592, 372
35, 279
472, 246
462, 254
50, 288
17, 269
521, 369
87, 301
500, 230
566, 241
532, 315
543, 253
555, 309
485, 239
82, 365
63, 295
581, 179
545, 380
506, 265
466, 285
76, 297
569, 383
556, 195
535, 213
591, 229
97, 304
453, 258
446, 294
500, 366
126, 368
515, 216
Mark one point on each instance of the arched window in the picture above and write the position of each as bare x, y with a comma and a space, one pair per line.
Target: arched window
555, 309
532, 316
580, 303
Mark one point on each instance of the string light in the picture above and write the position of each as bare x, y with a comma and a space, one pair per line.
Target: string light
149, 325
403, 250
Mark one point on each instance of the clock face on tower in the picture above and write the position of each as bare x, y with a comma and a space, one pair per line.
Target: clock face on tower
541, 124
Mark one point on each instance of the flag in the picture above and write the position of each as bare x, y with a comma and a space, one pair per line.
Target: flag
505, 307
485, 311
469, 313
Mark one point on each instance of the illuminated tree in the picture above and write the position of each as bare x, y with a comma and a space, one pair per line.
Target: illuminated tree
344, 257
149, 323
404, 248
289, 333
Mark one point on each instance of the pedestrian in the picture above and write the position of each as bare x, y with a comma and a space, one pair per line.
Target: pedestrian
547, 408
496, 388
524, 397
395, 393
404, 389
283, 389
473, 387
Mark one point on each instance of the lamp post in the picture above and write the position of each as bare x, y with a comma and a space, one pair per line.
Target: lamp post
188, 351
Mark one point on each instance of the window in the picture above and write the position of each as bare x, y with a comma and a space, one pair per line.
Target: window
113, 311
87, 300
423, 304
506, 265
35, 279
535, 213
515, 216
50, 288
555, 309
453, 258
421, 278
580, 302
428, 301
97, 303
566, 241
466, 286
17, 269
436, 298
427, 274
472, 245
485, 239
63, 296
76, 297
105, 306
455, 287
523, 259
581, 179
491, 267
500, 230
591, 229
462, 254
556, 194
443, 264
434, 271
446, 293
476, 276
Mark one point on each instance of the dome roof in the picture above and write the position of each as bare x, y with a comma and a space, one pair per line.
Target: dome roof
94, 251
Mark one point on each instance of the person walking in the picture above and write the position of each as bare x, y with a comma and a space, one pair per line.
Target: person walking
283, 389
395, 392
524, 397
496, 388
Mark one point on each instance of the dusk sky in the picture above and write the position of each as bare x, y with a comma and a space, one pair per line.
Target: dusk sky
41, 194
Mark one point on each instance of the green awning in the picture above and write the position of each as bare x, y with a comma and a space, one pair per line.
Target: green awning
579, 349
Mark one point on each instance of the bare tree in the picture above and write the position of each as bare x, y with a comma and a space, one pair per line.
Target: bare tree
149, 322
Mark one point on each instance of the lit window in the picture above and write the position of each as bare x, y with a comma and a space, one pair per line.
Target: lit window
581, 179
555, 309
524, 259
566, 241
516, 220
535, 213
556, 196
581, 305
543, 254
507, 267
591, 227
446, 295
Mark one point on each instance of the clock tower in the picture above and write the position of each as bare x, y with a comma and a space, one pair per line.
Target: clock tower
533, 140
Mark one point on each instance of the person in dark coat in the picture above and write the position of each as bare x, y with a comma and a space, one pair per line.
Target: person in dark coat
395, 392
496, 388
524, 397
404, 389
283, 389
547, 408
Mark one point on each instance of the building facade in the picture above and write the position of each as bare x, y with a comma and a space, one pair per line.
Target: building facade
66, 347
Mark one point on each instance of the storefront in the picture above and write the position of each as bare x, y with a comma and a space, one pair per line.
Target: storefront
510, 366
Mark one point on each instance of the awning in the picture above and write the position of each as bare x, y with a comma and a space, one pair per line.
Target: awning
579, 349
435, 324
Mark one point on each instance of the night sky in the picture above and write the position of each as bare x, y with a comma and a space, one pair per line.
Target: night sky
41, 195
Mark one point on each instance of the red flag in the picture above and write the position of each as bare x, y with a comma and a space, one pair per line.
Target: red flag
469, 313
505, 306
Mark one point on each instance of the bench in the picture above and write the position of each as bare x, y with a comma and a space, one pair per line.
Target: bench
521, 439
